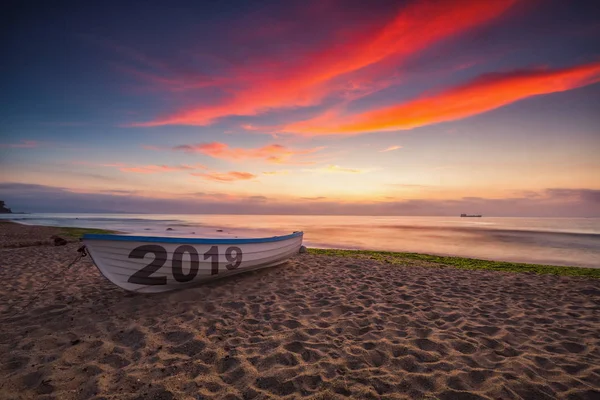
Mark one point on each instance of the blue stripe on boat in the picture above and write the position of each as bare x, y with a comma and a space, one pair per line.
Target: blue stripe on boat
159, 239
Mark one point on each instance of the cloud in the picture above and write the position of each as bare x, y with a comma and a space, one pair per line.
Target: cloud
444, 167
23, 144
150, 169
273, 153
589, 195
314, 198
65, 123
391, 148
250, 127
153, 169
529, 194
282, 172
179, 83
225, 176
337, 169
408, 185
584, 202
121, 192
276, 84
159, 74
116, 165
258, 199
481, 95
151, 147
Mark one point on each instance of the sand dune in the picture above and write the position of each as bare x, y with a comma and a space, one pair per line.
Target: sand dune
317, 328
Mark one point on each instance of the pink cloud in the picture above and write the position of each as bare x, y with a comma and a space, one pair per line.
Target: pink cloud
225, 176
153, 169
337, 169
272, 173
250, 127
391, 148
273, 153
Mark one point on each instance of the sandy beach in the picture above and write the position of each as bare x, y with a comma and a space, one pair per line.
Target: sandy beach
318, 327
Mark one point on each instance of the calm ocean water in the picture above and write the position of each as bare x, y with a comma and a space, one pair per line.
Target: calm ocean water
557, 241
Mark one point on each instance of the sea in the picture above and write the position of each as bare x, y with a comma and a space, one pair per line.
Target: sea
553, 241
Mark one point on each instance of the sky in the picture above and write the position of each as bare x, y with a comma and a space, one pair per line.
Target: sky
302, 107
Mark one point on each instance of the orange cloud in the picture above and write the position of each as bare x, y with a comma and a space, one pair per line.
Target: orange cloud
481, 95
391, 148
273, 153
414, 28
225, 177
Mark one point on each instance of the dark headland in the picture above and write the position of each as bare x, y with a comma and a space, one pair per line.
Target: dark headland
4, 209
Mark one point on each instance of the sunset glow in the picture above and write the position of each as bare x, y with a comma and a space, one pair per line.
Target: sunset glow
413, 107
282, 86
483, 94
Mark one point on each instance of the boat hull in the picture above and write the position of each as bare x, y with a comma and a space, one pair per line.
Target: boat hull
158, 264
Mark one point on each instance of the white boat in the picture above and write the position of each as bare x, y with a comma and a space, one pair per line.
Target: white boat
151, 264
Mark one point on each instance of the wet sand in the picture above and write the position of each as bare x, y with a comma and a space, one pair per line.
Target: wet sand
317, 327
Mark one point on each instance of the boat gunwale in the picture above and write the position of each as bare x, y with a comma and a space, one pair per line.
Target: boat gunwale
119, 256
183, 240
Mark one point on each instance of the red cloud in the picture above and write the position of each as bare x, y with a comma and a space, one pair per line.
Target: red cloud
273, 153
226, 176
481, 95
416, 27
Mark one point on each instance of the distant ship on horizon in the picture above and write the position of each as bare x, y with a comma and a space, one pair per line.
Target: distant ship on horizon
472, 215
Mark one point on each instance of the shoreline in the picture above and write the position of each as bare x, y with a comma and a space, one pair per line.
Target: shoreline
541, 241
398, 258
407, 259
